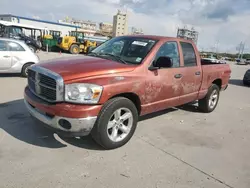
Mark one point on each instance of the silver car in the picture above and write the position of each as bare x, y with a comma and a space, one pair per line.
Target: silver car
16, 57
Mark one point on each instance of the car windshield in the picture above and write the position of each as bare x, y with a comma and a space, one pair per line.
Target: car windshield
130, 50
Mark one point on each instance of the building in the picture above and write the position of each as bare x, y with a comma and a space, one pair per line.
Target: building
136, 31
189, 34
88, 27
106, 29
64, 28
120, 24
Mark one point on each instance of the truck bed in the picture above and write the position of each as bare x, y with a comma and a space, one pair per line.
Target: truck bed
209, 62
215, 71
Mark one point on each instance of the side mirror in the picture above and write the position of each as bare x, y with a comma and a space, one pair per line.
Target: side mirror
162, 62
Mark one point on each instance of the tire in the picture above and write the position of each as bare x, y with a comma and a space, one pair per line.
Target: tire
32, 48
244, 82
74, 49
209, 103
103, 135
24, 72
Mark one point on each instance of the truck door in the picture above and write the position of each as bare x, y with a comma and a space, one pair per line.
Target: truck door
191, 74
5, 56
163, 85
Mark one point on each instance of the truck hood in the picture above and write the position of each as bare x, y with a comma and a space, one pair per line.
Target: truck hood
77, 67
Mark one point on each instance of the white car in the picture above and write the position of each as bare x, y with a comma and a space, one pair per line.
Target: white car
16, 57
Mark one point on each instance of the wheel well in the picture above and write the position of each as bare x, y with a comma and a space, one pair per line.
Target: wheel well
75, 44
133, 97
29, 63
218, 82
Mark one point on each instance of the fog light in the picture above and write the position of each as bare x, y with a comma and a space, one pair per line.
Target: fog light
65, 124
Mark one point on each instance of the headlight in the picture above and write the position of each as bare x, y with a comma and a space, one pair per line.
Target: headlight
83, 93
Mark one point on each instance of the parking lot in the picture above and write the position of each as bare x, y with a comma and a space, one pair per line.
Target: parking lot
178, 147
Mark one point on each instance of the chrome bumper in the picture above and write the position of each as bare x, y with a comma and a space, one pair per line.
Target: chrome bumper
75, 126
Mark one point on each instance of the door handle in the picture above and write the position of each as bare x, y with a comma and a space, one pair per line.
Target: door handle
6, 56
178, 76
198, 73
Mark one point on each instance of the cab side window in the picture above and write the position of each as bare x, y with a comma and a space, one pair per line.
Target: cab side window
3, 46
188, 54
15, 47
170, 49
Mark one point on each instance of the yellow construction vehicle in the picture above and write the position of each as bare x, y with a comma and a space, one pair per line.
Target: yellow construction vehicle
77, 43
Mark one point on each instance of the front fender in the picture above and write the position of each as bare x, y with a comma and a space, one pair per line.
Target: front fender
117, 84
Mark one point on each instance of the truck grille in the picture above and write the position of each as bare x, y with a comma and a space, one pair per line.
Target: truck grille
45, 84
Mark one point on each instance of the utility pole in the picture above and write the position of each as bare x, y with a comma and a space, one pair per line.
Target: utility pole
216, 46
242, 51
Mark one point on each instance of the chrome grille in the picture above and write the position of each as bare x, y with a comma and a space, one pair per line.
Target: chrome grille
45, 84
45, 80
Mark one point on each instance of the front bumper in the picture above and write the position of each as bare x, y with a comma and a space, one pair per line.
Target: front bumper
63, 125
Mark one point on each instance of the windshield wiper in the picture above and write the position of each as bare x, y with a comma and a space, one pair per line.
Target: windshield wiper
92, 54
116, 57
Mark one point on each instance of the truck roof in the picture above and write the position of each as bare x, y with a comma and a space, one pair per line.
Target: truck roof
158, 37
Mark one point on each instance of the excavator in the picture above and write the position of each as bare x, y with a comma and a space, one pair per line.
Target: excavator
77, 42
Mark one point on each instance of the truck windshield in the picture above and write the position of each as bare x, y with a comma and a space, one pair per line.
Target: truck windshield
127, 49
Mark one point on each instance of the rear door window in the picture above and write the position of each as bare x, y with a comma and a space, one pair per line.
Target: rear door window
188, 54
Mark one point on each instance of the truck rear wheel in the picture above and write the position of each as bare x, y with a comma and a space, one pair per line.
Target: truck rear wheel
74, 49
116, 123
210, 101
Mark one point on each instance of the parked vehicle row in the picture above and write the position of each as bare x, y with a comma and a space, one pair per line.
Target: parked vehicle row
76, 42
15, 31
105, 92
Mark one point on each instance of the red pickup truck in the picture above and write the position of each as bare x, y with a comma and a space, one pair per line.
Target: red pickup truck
103, 93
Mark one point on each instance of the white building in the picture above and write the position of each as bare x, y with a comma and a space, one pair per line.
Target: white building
106, 29
88, 27
136, 31
120, 24
64, 28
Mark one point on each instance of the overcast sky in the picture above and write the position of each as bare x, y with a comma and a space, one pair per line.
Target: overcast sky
224, 21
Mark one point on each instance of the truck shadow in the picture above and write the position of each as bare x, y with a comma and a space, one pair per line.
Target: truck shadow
2, 75
156, 114
236, 82
16, 121
191, 107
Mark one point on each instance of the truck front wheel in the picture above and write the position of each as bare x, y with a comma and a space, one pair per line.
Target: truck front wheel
210, 101
116, 123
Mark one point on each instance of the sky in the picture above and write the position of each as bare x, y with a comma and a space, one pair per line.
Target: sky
221, 23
